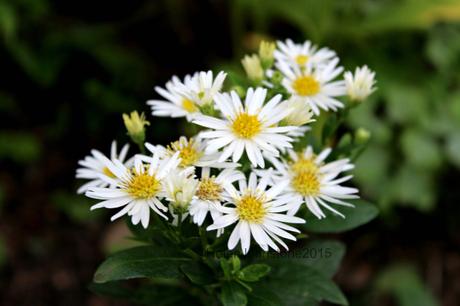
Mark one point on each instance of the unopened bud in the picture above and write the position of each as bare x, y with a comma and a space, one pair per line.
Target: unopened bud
253, 68
135, 125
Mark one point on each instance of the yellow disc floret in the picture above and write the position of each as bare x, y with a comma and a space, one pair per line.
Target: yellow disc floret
209, 190
306, 85
301, 59
304, 164
143, 185
189, 106
188, 152
306, 183
246, 126
250, 208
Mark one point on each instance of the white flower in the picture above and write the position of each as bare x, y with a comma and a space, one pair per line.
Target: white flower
176, 104
211, 193
180, 187
250, 128
300, 113
259, 213
361, 84
94, 167
253, 67
314, 85
203, 87
137, 189
192, 153
314, 182
302, 54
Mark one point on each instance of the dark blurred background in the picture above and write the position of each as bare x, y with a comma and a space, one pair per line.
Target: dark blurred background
70, 68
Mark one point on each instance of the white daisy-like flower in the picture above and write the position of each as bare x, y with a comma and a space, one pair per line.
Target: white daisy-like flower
259, 213
94, 167
250, 128
176, 104
180, 186
138, 189
314, 182
211, 193
302, 54
361, 84
192, 152
203, 87
315, 85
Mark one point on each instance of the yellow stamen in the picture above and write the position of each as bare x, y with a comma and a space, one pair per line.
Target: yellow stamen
250, 208
246, 126
304, 164
187, 151
143, 185
301, 59
306, 183
189, 106
306, 85
209, 190
107, 172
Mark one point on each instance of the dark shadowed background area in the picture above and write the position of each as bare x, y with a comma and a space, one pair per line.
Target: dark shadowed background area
70, 68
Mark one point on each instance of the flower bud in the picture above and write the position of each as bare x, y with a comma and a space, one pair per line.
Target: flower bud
135, 126
253, 68
300, 112
362, 136
361, 84
266, 50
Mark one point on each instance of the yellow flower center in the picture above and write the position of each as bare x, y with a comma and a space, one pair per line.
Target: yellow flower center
306, 183
209, 190
246, 126
251, 209
189, 106
143, 186
107, 172
306, 86
301, 59
304, 164
187, 151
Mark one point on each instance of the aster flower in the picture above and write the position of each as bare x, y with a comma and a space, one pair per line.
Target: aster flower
202, 87
176, 104
138, 189
180, 186
94, 167
250, 128
259, 213
314, 182
314, 85
211, 193
300, 55
361, 84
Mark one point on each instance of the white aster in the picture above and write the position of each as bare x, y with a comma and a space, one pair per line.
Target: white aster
314, 181
314, 85
138, 189
211, 193
300, 55
258, 213
250, 128
361, 84
94, 167
180, 186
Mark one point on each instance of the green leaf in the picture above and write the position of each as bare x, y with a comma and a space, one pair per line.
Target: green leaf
198, 273
233, 295
362, 213
405, 284
263, 297
145, 261
253, 273
298, 285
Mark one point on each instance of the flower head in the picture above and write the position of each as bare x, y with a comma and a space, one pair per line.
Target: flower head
180, 187
361, 84
94, 167
253, 67
301, 55
300, 114
251, 128
137, 189
259, 212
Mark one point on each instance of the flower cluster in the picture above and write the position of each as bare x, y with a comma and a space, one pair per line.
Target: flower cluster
250, 167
